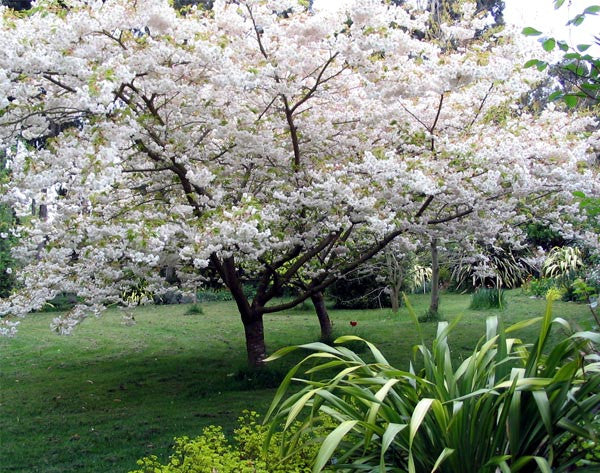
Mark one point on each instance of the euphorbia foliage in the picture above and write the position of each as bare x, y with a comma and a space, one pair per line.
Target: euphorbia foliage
260, 141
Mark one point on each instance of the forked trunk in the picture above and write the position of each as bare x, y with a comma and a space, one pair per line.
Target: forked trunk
252, 317
324, 320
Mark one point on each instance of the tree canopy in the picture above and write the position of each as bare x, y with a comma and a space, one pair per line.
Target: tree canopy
258, 141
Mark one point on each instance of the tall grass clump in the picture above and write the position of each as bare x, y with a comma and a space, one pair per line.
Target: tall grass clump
507, 407
195, 309
487, 298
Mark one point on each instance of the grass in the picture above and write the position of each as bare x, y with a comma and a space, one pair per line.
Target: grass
110, 393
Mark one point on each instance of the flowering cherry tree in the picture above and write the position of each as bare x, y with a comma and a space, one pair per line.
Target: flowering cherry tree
259, 141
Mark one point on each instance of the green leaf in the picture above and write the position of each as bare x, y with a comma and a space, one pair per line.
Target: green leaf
531, 63
298, 406
543, 405
591, 87
413, 316
549, 44
583, 47
418, 415
375, 405
577, 20
500, 462
543, 464
529, 31
572, 427
281, 390
523, 324
281, 352
319, 346
571, 100
593, 337
592, 10
555, 95
445, 454
558, 4
388, 437
331, 443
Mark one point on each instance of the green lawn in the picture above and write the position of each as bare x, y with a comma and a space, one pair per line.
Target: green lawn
109, 394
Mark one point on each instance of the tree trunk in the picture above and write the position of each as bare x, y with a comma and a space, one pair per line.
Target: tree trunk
435, 279
43, 213
252, 316
395, 297
255, 340
324, 320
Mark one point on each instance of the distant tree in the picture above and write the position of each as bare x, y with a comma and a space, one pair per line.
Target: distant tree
207, 4
7, 238
575, 80
579, 72
17, 4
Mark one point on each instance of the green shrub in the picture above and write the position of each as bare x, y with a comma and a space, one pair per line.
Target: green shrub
541, 235
583, 290
588, 450
212, 453
562, 261
576, 287
63, 302
505, 268
487, 298
539, 287
508, 407
195, 309
359, 292
223, 295
430, 316
213, 295
7, 240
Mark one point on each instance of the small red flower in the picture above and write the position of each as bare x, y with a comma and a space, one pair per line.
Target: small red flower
353, 323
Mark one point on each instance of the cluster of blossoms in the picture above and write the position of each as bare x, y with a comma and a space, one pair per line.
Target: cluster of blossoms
265, 142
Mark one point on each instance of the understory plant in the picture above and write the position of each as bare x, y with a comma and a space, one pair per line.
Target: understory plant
498, 268
487, 298
195, 309
562, 261
578, 287
508, 407
211, 452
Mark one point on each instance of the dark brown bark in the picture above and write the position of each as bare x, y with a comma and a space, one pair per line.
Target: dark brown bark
43, 212
252, 315
324, 320
435, 279
395, 298
255, 339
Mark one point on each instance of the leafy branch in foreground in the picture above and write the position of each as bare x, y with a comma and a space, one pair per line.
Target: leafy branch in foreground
580, 70
508, 407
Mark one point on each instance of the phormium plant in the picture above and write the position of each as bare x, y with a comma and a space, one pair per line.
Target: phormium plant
508, 407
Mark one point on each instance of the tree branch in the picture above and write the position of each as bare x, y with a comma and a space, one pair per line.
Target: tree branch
59, 83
